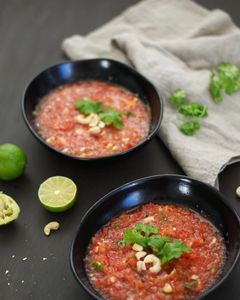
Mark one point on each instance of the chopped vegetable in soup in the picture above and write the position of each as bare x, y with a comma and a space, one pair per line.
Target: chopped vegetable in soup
92, 119
157, 252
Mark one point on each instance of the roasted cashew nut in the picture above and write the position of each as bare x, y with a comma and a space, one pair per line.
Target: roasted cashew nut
51, 226
156, 265
82, 119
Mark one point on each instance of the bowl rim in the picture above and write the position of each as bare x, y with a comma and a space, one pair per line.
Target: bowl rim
149, 136
140, 181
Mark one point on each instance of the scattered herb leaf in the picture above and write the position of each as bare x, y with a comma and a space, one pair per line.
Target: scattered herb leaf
163, 217
178, 97
215, 87
190, 285
129, 114
111, 117
190, 127
226, 78
121, 243
193, 110
87, 106
97, 266
229, 76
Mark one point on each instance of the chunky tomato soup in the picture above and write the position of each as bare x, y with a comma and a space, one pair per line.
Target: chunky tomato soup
92, 119
157, 252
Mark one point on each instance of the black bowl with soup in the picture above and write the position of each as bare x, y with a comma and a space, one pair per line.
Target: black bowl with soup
187, 224
92, 109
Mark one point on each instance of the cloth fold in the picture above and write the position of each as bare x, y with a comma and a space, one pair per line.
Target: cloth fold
175, 44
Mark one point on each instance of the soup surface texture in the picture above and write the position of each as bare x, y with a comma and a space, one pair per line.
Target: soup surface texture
92, 119
156, 252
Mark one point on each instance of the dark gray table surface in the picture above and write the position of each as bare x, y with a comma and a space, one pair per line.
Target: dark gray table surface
31, 32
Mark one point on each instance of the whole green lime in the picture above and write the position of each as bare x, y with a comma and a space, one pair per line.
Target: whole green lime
13, 161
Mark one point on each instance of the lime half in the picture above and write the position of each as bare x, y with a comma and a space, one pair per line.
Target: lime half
9, 209
57, 193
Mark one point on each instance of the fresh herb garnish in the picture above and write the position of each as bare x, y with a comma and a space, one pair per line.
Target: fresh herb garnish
190, 285
190, 127
132, 235
146, 229
164, 247
111, 117
178, 97
172, 249
226, 78
107, 115
193, 110
163, 217
97, 266
88, 106
121, 243
129, 114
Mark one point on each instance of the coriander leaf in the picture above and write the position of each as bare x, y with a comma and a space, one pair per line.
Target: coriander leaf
190, 127
163, 217
178, 97
131, 236
215, 87
130, 114
97, 266
121, 243
173, 249
190, 285
157, 242
147, 229
193, 110
111, 117
87, 106
229, 76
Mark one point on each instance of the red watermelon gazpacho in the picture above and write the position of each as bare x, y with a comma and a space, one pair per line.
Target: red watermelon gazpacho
92, 119
155, 252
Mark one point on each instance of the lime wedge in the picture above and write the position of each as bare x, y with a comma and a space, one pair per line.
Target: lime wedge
57, 193
9, 209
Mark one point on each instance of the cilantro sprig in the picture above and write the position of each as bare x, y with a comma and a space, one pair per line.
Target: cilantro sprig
88, 106
178, 97
107, 115
164, 247
191, 111
111, 117
225, 79
190, 127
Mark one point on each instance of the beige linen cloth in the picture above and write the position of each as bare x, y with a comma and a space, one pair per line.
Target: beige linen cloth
175, 44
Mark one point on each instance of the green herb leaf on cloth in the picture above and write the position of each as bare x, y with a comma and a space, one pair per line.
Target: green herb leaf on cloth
190, 127
193, 110
178, 97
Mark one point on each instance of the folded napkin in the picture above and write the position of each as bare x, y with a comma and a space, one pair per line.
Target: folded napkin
175, 44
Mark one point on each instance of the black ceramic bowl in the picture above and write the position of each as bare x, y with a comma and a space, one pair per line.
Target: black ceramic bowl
94, 69
200, 197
